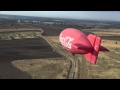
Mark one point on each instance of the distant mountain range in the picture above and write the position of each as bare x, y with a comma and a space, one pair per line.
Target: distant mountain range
16, 17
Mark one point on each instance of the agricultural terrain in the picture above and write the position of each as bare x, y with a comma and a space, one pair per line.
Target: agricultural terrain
23, 49
26, 55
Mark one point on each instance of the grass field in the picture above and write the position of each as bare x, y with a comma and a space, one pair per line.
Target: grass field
108, 63
49, 68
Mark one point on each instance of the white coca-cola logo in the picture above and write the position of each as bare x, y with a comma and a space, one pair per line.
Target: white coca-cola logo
66, 41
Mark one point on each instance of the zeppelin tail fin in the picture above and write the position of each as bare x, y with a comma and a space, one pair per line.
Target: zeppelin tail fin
95, 42
103, 49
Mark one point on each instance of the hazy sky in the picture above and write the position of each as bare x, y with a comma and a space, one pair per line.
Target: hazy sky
92, 15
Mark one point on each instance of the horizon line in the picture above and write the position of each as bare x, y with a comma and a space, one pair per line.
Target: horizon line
61, 17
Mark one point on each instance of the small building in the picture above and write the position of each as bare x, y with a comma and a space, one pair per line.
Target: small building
26, 21
35, 21
51, 23
18, 21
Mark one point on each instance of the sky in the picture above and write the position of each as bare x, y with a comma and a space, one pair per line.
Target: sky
90, 15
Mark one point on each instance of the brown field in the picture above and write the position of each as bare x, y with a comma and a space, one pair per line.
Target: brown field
106, 33
19, 29
53, 38
111, 43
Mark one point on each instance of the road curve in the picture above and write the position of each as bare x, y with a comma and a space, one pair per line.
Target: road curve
72, 68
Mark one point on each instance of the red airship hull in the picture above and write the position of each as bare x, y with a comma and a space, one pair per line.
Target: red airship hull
77, 42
